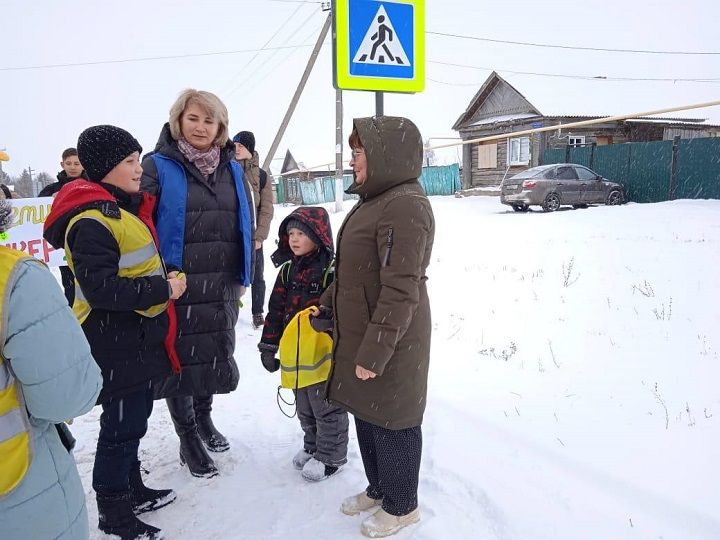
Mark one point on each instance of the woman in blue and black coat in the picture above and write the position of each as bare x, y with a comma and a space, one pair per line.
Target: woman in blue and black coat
205, 221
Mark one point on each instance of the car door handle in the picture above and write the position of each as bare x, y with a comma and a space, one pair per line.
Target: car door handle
560, 184
583, 184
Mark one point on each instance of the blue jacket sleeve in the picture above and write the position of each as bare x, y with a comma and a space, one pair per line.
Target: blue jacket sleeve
47, 349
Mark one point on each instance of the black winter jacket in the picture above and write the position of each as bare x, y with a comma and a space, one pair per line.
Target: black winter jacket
301, 285
128, 347
212, 255
63, 178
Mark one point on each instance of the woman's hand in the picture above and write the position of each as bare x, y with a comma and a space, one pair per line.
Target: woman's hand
364, 374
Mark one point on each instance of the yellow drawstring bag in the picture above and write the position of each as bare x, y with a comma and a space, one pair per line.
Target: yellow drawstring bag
305, 354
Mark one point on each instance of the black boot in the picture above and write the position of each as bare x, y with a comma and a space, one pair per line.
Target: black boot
192, 451
213, 439
115, 516
145, 499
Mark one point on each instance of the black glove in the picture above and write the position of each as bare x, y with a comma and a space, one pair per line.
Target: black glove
267, 357
323, 320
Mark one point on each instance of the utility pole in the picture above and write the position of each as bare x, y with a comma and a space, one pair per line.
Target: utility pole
33, 187
298, 92
339, 184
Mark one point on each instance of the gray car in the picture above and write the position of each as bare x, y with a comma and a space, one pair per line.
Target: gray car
552, 186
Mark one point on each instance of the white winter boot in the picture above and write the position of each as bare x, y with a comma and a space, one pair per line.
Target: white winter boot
382, 524
314, 471
352, 506
300, 459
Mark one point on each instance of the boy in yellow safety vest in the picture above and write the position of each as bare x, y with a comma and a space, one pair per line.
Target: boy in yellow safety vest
305, 256
122, 299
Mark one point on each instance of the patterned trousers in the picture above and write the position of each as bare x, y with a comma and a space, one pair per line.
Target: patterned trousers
392, 465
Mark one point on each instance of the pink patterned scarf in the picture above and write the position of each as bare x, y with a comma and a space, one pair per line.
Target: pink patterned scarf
206, 161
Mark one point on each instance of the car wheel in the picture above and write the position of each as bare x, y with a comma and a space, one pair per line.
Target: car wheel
614, 197
576, 206
552, 203
520, 207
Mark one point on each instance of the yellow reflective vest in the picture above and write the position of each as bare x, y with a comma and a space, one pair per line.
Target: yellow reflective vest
15, 439
139, 256
305, 355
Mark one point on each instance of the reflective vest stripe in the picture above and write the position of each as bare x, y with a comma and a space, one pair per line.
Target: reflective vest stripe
12, 423
138, 256
307, 367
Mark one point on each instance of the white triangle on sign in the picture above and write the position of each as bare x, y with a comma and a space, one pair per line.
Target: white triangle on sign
381, 44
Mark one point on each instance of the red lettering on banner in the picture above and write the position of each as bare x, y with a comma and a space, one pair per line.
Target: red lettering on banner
32, 248
47, 249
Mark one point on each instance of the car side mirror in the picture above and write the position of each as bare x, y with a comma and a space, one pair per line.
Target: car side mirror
598, 178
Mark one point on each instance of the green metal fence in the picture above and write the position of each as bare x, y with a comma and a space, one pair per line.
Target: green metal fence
443, 180
698, 169
653, 171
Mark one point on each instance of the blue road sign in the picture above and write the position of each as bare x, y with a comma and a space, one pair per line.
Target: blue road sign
380, 45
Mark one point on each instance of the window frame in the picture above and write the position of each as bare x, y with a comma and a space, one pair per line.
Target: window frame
576, 144
519, 161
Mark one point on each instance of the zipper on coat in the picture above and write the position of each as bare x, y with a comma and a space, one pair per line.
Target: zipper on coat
386, 260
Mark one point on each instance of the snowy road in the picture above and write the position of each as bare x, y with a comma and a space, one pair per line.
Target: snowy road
573, 391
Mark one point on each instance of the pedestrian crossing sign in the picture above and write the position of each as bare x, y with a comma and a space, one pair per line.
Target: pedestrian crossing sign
379, 45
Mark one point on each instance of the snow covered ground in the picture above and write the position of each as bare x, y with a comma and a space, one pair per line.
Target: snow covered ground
573, 391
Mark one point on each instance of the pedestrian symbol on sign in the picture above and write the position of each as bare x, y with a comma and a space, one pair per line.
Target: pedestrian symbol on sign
381, 44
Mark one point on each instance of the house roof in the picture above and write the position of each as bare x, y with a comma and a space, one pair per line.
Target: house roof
498, 99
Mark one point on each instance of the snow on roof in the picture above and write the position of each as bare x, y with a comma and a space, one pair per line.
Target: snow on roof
502, 118
597, 98
676, 121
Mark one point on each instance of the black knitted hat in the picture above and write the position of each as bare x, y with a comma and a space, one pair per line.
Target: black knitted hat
246, 138
297, 224
101, 148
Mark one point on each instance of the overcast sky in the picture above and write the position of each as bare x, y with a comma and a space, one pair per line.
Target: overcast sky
44, 110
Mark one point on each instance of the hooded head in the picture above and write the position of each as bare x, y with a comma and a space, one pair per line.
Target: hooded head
393, 151
314, 221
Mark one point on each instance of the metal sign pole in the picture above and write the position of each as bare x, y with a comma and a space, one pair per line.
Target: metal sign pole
379, 104
339, 184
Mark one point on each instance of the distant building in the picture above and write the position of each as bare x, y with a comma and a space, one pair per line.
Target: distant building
498, 108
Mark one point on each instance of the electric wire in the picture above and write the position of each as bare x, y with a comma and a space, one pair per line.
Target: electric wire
569, 47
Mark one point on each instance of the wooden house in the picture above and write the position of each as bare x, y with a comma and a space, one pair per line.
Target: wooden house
499, 108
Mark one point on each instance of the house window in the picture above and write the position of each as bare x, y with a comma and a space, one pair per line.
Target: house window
577, 140
519, 151
487, 156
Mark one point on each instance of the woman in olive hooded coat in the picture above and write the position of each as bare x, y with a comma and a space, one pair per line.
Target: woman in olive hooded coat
382, 317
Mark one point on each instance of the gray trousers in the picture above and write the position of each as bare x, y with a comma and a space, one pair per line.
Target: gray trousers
325, 426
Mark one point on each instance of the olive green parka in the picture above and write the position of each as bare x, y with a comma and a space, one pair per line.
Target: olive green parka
379, 296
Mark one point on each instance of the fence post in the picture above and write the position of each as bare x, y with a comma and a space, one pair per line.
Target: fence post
673, 168
567, 153
592, 156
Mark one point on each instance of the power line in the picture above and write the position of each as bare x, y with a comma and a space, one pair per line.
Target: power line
260, 66
265, 46
258, 82
584, 77
149, 58
569, 47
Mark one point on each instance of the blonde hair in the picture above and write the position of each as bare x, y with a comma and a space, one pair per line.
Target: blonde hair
208, 101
